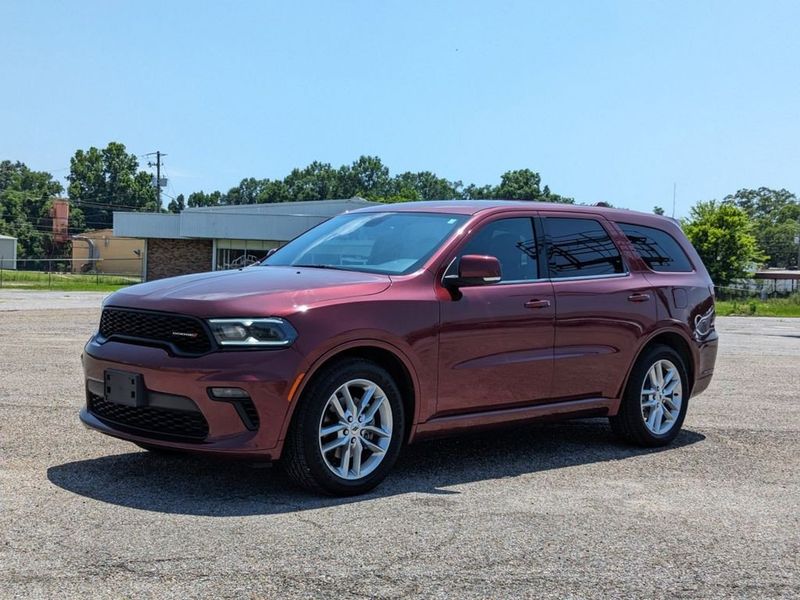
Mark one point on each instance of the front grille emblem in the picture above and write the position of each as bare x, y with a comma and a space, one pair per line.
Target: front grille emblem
184, 334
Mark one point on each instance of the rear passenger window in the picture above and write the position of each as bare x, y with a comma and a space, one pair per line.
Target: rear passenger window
580, 248
659, 250
512, 242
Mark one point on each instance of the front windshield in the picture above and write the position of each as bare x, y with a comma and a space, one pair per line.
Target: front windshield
389, 243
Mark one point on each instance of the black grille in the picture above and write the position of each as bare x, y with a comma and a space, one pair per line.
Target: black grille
185, 334
149, 421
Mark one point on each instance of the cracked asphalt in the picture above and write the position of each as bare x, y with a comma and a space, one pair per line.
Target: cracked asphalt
549, 511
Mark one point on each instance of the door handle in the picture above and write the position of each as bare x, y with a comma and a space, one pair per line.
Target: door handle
537, 304
639, 297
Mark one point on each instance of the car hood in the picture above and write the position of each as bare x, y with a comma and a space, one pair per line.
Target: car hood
253, 291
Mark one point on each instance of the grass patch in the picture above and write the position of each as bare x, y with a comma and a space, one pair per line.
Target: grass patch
67, 282
774, 307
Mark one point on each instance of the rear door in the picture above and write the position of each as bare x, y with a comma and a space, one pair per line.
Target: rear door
603, 308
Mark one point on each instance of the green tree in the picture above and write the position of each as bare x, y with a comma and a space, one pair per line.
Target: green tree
482, 192
102, 181
367, 177
245, 193
776, 222
197, 199
317, 181
722, 235
177, 204
25, 201
425, 185
521, 184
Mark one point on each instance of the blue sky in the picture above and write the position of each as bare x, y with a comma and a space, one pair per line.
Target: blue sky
609, 101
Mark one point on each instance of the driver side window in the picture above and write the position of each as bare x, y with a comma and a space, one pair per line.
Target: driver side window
512, 242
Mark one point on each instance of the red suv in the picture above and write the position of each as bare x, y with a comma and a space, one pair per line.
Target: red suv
390, 324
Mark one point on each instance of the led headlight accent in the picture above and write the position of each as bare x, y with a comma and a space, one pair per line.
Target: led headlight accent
246, 333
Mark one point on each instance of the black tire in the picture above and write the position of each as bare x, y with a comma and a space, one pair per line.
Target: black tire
302, 457
629, 423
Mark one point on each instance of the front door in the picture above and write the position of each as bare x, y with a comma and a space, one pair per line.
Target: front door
496, 340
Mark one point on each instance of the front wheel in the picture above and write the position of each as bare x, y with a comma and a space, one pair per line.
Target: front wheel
654, 404
348, 429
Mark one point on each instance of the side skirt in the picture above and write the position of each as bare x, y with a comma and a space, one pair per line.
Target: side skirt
587, 407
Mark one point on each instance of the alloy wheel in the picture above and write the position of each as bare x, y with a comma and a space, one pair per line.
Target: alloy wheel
355, 429
661, 397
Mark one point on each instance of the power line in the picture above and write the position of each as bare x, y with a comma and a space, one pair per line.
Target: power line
84, 202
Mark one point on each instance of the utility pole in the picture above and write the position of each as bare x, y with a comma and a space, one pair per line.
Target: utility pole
157, 165
797, 241
674, 195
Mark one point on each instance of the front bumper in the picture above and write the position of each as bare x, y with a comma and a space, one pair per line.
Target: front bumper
266, 375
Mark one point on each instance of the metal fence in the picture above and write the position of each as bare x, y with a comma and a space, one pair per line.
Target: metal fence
67, 273
758, 289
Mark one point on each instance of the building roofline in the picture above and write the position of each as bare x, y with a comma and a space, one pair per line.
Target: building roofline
268, 206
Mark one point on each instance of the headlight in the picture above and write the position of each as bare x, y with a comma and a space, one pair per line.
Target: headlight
255, 333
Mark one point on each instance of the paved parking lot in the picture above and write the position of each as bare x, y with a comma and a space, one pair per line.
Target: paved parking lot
545, 511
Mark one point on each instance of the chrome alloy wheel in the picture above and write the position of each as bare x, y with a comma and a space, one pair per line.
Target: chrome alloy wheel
355, 429
662, 394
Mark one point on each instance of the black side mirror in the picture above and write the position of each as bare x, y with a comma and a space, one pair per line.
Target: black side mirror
474, 269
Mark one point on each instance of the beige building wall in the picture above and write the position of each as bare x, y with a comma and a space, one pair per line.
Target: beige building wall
117, 254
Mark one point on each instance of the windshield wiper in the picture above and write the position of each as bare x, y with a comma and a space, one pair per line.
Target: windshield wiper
321, 266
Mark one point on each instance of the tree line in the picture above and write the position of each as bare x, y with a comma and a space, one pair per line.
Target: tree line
370, 179
733, 235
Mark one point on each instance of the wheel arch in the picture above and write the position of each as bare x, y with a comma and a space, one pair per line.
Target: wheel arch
671, 338
381, 353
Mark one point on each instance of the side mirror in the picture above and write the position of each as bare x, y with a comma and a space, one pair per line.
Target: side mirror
474, 269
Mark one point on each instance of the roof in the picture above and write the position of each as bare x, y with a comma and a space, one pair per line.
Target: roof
93, 233
471, 207
283, 221
7, 237
777, 274
326, 208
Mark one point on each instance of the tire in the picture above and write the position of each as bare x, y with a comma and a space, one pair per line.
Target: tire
334, 471
637, 421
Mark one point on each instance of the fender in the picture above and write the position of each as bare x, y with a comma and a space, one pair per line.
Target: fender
311, 367
672, 326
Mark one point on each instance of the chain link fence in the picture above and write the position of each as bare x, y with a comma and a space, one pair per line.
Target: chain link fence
70, 274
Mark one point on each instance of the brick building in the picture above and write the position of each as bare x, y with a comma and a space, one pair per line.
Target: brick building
221, 237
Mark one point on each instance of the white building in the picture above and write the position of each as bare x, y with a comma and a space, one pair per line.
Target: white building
8, 252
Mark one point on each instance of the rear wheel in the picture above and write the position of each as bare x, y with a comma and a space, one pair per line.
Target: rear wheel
654, 404
348, 429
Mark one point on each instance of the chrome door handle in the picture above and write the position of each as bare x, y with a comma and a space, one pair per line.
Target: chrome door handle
639, 297
537, 304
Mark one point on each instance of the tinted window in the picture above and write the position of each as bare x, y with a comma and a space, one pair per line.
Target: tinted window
580, 248
659, 249
512, 242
